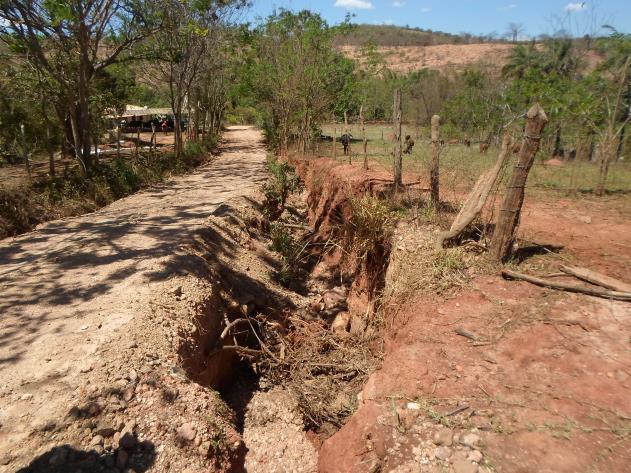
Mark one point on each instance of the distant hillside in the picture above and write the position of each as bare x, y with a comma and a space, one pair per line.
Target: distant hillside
408, 49
388, 36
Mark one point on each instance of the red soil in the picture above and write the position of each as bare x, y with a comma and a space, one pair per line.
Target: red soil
553, 385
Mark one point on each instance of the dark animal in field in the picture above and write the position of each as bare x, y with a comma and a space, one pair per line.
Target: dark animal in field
409, 144
571, 154
467, 142
484, 147
346, 142
442, 142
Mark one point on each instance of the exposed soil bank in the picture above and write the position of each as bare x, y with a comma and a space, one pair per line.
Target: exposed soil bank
543, 388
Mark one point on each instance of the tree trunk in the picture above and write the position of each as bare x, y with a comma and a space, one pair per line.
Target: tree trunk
137, 141
434, 171
118, 141
27, 162
508, 221
152, 145
364, 140
348, 137
607, 154
51, 153
557, 142
398, 152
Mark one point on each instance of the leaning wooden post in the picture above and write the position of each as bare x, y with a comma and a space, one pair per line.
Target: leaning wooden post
508, 220
334, 142
364, 140
434, 172
398, 154
27, 162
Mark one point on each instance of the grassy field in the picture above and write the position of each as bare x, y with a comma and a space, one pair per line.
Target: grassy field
461, 165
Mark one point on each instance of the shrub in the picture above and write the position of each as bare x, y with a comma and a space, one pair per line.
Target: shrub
283, 181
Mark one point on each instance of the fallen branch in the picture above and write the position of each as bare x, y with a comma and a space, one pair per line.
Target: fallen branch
241, 350
234, 323
596, 278
614, 295
465, 333
457, 410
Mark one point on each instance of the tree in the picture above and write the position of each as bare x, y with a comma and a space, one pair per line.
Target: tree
71, 42
514, 31
189, 33
296, 75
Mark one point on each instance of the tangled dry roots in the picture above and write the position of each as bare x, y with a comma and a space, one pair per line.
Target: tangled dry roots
324, 370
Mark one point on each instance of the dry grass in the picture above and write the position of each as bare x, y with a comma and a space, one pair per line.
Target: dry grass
461, 165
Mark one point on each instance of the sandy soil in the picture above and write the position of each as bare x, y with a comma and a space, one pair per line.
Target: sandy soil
79, 299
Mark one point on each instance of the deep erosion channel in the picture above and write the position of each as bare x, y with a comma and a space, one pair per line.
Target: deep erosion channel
291, 332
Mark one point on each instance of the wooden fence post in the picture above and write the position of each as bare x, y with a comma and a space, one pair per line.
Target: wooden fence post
508, 220
364, 140
434, 172
398, 154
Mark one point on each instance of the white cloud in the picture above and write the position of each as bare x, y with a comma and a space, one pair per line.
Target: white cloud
576, 6
354, 4
508, 7
426, 9
398, 4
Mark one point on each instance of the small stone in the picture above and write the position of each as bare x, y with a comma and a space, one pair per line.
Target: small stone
26, 397
443, 437
413, 406
442, 453
177, 291
105, 429
133, 376
5, 459
204, 448
121, 459
464, 466
470, 440
475, 456
185, 434
128, 394
96, 440
341, 322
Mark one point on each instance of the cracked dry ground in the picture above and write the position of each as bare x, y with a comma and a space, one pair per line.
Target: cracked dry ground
80, 307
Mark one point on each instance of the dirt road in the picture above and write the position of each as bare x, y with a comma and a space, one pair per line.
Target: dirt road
73, 289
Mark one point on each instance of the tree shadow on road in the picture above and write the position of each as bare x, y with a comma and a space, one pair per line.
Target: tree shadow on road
66, 459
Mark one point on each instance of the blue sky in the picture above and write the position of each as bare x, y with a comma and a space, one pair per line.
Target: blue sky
473, 16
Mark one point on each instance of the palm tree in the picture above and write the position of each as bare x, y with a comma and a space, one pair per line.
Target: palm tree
520, 59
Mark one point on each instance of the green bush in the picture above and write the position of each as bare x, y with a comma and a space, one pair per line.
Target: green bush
283, 181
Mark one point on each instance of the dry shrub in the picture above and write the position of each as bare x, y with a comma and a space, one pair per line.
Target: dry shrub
325, 371
368, 231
